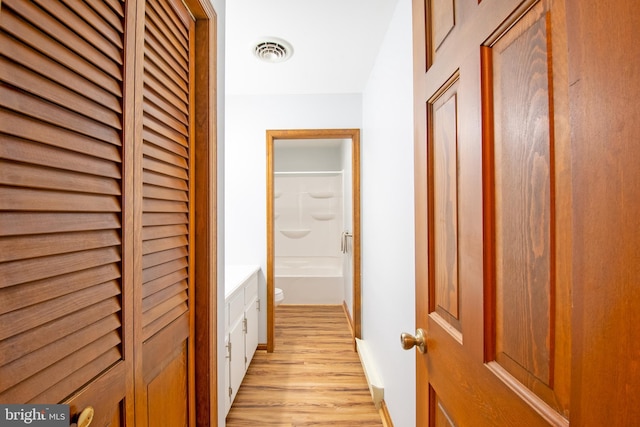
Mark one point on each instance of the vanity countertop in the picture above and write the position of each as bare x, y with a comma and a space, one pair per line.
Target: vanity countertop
236, 275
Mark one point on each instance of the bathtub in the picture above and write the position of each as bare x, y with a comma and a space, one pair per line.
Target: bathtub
310, 280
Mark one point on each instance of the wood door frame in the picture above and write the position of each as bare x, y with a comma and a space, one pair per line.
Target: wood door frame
206, 221
420, 205
354, 135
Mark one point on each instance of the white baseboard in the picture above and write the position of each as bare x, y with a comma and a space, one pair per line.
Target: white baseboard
373, 379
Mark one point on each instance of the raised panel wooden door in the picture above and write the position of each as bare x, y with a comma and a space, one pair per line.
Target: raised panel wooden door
493, 213
164, 195
65, 292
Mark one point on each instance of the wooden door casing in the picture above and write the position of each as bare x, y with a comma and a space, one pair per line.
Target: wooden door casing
498, 331
604, 90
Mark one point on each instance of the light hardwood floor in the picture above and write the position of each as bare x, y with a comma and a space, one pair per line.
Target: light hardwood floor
313, 378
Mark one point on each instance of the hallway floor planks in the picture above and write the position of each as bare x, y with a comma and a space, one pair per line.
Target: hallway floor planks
313, 378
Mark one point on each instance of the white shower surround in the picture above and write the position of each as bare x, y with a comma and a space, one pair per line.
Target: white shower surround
308, 223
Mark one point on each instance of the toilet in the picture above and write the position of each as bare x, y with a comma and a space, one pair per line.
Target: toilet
279, 296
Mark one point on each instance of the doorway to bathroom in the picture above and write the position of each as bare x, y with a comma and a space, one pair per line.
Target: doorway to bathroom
313, 221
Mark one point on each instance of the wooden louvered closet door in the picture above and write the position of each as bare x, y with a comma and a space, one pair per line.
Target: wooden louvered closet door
65, 292
97, 209
165, 195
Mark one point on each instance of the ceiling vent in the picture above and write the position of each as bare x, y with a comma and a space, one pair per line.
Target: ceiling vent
273, 50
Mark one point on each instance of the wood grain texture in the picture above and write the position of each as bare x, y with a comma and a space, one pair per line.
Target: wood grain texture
444, 154
523, 153
61, 280
460, 371
604, 89
313, 378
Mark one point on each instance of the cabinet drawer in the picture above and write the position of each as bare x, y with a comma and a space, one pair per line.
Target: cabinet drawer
251, 289
236, 307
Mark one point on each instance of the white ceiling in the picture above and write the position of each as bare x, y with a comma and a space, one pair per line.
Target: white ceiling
335, 43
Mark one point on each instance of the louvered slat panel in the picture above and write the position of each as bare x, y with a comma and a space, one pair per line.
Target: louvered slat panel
56, 30
151, 42
114, 5
165, 118
23, 271
157, 100
164, 281
151, 150
35, 39
150, 233
152, 178
22, 320
24, 79
19, 345
158, 245
176, 26
110, 30
42, 64
166, 293
36, 223
27, 390
82, 374
163, 80
168, 67
44, 111
21, 247
20, 175
164, 168
165, 165
170, 312
164, 143
89, 33
60, 197
154, 84
163, 32
153, 192
149, 218
17, 297
159, 258
33, 362
37, 200
42, 154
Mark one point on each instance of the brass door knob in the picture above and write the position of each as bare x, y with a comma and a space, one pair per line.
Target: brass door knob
408, 341
85, 417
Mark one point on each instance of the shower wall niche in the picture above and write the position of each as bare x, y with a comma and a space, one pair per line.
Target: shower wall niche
308, 216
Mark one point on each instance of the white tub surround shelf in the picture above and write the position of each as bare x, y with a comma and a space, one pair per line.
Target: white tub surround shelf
323, 216
321, 194
307, 173
296, 234
241, 324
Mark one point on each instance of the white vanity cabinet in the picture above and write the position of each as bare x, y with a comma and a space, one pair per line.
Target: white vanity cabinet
241, 324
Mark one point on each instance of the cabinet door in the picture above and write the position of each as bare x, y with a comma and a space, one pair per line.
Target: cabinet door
251, 327
227, 367
236, 360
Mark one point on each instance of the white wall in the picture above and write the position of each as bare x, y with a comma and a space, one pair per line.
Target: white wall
219, 7
247, 120
387, 216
